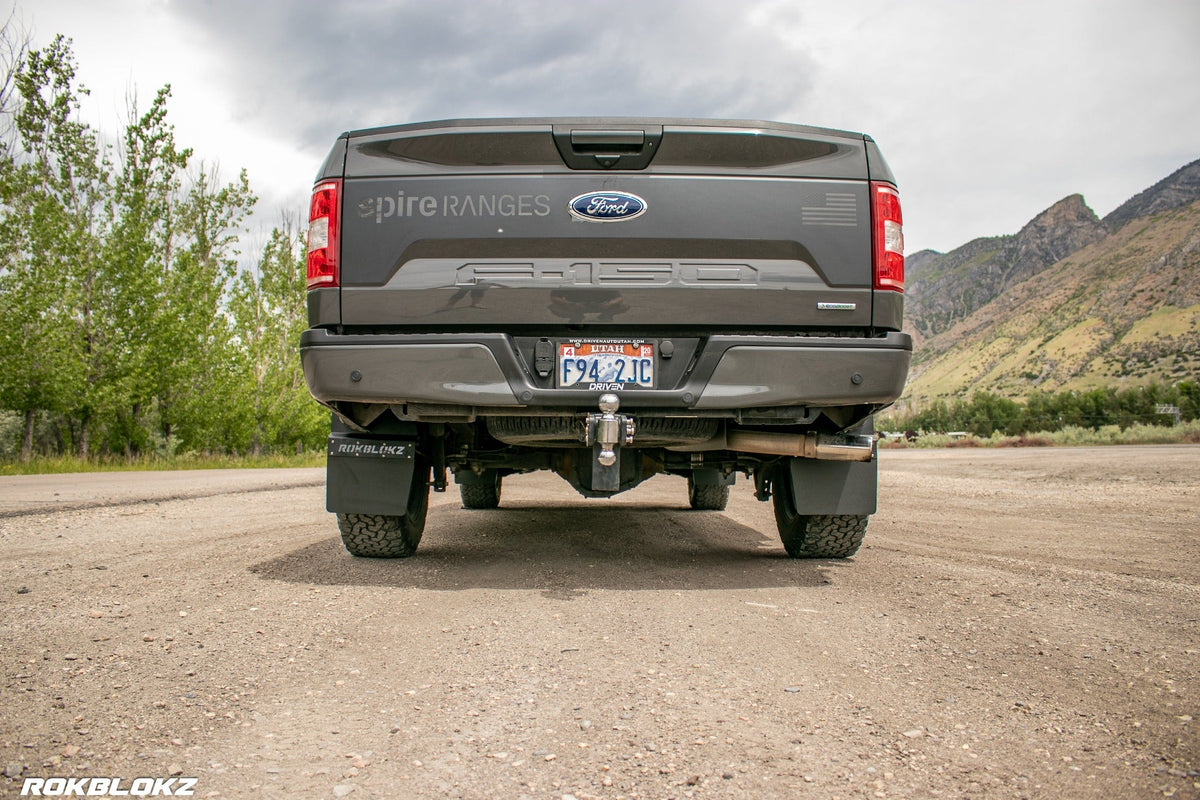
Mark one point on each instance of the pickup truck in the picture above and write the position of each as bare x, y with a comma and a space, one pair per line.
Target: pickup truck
609, 299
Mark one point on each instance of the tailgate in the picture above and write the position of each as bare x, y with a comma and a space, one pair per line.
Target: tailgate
626, 224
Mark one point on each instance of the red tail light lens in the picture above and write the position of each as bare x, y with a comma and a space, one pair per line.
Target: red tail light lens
888, 237
323, 235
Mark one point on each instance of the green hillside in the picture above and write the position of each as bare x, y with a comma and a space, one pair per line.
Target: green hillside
1123, 310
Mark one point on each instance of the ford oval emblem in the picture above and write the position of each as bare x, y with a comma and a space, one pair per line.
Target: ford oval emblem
607, 206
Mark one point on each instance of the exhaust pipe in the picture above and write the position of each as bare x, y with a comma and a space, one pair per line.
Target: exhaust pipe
826, 447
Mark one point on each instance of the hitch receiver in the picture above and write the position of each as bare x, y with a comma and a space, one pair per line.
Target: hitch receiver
606, 433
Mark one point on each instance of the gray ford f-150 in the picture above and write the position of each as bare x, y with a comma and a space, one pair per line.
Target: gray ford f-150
609, 299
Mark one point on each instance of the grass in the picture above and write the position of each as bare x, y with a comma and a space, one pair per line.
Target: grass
1187, 433
1167, 322
52, 465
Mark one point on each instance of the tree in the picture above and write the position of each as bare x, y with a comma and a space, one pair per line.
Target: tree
128, 323
53, 182
14, 43
198, 348
267, 307
137, 266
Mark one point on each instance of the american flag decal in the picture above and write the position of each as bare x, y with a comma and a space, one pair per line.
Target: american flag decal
840, 209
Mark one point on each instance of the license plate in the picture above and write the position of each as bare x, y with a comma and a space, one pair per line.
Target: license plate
606, 366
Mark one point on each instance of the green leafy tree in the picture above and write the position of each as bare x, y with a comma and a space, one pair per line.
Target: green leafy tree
1038, 415
1188, 399
198, 348
138, 254
267, 306
129, 325
34, 342
53, 184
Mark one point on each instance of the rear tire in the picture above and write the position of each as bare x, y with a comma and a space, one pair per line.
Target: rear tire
814, 535
388, 535
707, 497
482, 495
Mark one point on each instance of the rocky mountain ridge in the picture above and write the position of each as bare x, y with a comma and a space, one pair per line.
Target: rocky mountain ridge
1177, 189
946, 289
1070, 300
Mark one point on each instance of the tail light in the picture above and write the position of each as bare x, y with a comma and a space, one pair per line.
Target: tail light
323, 235
888, 237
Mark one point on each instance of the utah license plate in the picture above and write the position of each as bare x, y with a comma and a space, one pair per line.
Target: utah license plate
606, 366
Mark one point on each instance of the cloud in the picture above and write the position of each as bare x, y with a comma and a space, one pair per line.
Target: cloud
309, 70
987, 112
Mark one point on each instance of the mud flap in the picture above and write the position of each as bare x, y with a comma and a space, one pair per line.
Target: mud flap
369, 475
834, 487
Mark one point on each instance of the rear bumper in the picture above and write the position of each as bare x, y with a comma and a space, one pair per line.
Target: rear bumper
488, 371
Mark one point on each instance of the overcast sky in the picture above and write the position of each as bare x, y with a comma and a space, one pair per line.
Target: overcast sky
988, 112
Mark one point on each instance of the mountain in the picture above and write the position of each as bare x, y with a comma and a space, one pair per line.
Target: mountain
1179, 188
945, 289
1070, 301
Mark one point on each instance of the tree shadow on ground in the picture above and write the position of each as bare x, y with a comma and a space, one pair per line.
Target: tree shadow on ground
564, 550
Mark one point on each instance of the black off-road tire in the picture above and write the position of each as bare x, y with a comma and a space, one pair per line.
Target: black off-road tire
817, 535
481, 495
708, 497
387, 535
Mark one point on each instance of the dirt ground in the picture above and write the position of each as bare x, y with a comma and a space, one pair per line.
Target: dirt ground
1019, 623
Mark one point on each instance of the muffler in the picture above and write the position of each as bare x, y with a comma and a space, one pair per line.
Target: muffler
822, 446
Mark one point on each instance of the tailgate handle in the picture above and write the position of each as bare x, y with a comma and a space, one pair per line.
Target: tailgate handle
610, 141
607, 148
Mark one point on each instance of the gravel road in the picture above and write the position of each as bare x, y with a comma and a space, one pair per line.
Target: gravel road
1019, 623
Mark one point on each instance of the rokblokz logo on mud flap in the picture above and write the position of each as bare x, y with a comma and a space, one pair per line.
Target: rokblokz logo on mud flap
108, 787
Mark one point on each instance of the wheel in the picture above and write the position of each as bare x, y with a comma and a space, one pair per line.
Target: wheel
389, 535
485, 494
817, 535
707, 497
